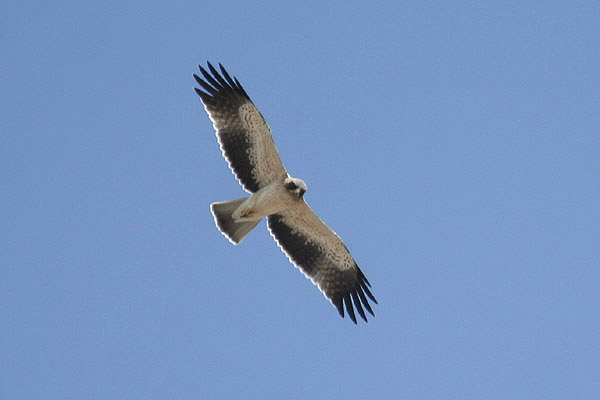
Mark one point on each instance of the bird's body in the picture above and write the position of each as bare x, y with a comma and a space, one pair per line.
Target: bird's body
270, 199
248, 147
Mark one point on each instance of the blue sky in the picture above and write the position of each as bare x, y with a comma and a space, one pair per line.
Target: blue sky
454, 146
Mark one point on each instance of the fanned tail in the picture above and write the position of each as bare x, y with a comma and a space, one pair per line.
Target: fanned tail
234, 231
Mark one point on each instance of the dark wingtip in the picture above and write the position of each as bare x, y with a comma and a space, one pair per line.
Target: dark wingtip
210, 66
338, 303
214, 81
197, 78
358, 306
357, 297
365, 285
364, 300
349, 308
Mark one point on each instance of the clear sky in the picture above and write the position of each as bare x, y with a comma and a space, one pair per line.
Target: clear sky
454, 146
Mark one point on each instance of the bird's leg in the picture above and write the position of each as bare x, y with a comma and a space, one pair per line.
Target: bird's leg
247, 210
247, 214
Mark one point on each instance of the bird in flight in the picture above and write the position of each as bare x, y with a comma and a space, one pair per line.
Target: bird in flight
247, 145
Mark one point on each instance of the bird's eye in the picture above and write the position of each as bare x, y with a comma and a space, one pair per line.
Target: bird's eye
291, 185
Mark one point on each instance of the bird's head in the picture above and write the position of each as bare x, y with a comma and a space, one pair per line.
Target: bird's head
295, 186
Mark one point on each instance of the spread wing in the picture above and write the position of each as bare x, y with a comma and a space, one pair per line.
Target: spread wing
322, 257
243, 133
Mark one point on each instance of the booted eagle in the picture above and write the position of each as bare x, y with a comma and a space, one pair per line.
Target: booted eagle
247, 145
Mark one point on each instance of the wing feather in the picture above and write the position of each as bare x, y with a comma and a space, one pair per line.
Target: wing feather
322, 257
243, 134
